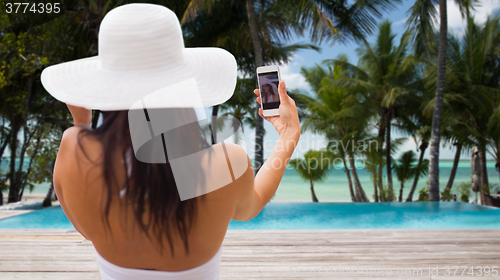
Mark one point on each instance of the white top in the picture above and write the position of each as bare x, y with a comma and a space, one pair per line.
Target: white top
206, 271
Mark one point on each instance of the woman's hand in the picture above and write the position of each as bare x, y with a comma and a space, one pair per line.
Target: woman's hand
80, 115
288, 119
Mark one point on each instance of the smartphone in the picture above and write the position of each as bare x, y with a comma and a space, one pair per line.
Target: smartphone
269, 80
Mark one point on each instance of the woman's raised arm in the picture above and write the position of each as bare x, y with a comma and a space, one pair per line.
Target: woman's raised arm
270, 174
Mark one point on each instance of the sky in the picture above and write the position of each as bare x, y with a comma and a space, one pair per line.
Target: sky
290, 73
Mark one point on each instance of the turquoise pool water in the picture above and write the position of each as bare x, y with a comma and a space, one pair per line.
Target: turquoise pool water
335, 215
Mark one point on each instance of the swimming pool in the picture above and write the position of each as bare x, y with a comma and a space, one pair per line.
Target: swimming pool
335, 215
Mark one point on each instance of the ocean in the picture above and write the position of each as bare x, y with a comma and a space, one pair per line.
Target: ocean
335, 186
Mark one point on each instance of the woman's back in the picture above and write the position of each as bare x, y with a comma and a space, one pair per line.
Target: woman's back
80, 189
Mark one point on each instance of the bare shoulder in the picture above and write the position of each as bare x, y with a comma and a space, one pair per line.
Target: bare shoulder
75, 156
73, 146
231, 168
67, 148
238, 160
238, 157
70, 137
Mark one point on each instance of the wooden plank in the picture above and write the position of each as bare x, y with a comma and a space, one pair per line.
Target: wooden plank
83, 275
261, 254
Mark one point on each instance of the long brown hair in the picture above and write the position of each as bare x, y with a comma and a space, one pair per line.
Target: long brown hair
148, 186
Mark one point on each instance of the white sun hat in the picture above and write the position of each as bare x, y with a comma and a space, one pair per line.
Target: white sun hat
265, 80
141, 53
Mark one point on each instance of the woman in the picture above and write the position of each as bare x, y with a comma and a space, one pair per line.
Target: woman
270, 95
115, 184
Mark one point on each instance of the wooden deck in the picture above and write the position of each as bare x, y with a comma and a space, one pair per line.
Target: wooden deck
63, 254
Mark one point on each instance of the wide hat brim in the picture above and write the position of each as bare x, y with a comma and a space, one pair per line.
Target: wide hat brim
209, 73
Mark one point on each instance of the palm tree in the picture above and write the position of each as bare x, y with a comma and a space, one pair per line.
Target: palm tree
239, 107
388, 74
313, 167
405, 170
438, 106
456, 133
340, 115
423, 15
472, 85
375, 162
479, 55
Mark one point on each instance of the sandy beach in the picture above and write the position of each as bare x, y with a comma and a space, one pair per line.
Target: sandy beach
38, 197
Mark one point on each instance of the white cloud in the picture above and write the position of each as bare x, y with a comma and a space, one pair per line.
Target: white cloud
292, 77
403, 21
456, 23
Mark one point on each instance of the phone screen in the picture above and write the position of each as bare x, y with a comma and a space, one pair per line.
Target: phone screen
269, 90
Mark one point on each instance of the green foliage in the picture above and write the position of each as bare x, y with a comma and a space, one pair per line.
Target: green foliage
404, 167
339, 114
386, 194
424, 193
494, 188
387, 76
314, 166
224, 24
446, 196
241, 105
26, 47
464, 189
43, 160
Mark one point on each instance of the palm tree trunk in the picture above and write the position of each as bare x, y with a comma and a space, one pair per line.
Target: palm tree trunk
5, 143
401, 193
314, 198
484, 173
388, 156
381, 183
19, 174
14, 187
51, 192
438, 105
349, 181
259, 61
375, 191
236, 135
423, 147
95, 118
360, 193
215, 112
454, 168
47, 201
381, 136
